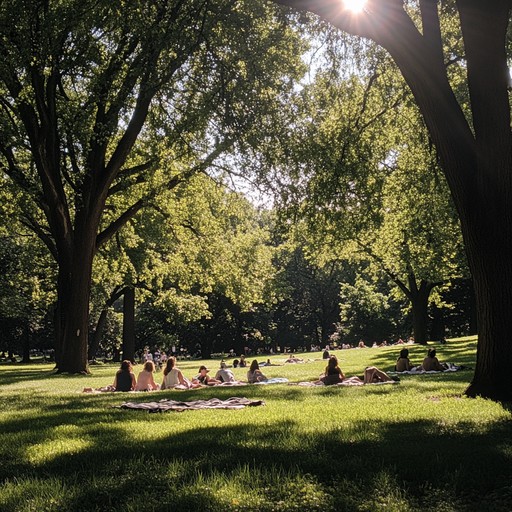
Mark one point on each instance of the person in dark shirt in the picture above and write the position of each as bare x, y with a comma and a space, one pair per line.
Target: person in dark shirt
125, 378
204, 378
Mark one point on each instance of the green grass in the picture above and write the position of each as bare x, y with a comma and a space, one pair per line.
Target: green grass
419, 445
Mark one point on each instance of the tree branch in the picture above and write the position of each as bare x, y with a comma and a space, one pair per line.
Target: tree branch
122, 186
42, 235
384, 268
115, 226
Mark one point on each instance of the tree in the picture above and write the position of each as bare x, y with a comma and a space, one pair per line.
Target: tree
98, 98
417, 240
201, 248
473, 141
368, 312
307, 304
362, 170
27, 290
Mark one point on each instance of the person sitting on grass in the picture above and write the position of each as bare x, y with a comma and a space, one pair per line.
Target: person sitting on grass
204, 379
334, 375
173, 376
403, 363
145, 380
270, 363
224, 374
125, 378
254, 374
431, 363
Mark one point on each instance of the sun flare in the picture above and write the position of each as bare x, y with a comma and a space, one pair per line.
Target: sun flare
354, 5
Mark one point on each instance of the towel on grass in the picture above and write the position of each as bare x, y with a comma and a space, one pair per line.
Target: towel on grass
112, 389
174, 405
346, 382
418, 370
273, 380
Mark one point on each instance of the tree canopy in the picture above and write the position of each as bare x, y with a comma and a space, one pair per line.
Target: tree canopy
471, 133
105, 105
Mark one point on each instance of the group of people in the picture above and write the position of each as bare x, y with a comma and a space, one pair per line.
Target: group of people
334, 375
125, 379
430, 363
173, 377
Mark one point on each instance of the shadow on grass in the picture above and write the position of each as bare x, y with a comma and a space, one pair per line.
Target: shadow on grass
357, 463
18, 373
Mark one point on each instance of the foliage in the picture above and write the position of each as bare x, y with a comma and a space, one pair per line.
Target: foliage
368, 314
105, 106
27, 292
201, 241
362, 174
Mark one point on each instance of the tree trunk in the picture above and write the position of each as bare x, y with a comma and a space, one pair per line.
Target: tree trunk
98, 333
491, 268
129, 324
473, 322
59, 313
74, 303
419, 304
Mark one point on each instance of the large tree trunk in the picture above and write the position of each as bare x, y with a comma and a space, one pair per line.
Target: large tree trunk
494, 357
74, 301
489, 251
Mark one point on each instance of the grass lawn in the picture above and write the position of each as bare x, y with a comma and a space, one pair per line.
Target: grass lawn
418, 445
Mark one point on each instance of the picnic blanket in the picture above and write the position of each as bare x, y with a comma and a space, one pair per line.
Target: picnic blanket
418, 370
175, 405
346, 382
273, 380
112, 389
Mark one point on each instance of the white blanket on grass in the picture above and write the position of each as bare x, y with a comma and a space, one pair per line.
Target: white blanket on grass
418, 370
273, 380
346, 382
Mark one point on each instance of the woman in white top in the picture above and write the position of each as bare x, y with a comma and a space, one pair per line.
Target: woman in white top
145, 380
173, 376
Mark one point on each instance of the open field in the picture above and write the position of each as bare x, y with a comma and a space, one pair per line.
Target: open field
418, 445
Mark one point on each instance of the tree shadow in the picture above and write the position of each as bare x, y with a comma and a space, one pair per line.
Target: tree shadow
428, 461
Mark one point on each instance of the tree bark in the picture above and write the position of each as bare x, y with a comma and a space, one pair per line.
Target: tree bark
75, 310
419, 304
492, 276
